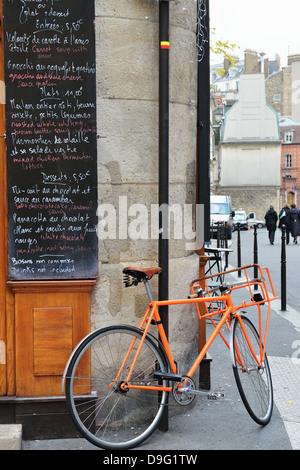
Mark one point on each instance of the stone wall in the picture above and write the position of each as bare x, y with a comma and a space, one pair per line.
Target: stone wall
279, 91
127, 105
253, 199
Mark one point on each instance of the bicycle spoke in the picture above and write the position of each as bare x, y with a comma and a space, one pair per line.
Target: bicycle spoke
253, 380
105, 413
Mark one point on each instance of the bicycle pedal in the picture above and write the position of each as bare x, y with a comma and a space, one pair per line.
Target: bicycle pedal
216, 396
167, 376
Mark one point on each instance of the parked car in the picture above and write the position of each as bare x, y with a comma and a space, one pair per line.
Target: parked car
221, 213
252, 220
240, 218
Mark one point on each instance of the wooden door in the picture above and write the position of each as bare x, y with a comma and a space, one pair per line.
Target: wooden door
51, 317
40, 322
290, 198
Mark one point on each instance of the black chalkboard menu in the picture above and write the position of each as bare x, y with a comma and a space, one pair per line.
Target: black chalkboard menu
50, 77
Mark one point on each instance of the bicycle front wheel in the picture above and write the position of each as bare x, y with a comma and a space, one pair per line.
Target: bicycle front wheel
107, 414
253, 378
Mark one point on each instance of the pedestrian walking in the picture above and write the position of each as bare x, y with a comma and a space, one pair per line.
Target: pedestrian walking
295, 219
285, 219
271, 218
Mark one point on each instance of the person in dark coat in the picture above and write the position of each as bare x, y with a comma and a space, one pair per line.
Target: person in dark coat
285, 219
295, 226
271, 218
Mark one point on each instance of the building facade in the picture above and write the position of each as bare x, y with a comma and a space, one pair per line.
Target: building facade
282, 96
250, 144
290, 161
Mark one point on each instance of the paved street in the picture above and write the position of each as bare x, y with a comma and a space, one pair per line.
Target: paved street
284, 339
270, 256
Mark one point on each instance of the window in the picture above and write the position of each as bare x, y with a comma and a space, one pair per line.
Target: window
288, 161
288, 136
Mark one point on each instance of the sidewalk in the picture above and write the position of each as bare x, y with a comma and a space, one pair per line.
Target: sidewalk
217, 425
225, 424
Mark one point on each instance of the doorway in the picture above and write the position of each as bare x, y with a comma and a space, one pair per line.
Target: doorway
290, 198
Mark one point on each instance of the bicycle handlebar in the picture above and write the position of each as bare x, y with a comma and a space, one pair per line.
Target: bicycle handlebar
224, 287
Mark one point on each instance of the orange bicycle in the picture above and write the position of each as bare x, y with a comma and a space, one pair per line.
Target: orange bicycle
119, 378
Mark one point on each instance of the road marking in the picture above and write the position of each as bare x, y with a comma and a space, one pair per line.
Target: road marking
289, 314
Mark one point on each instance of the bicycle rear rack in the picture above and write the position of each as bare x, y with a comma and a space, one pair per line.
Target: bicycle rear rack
260, 288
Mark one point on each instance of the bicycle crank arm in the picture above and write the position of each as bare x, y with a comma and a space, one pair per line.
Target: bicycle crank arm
209, 395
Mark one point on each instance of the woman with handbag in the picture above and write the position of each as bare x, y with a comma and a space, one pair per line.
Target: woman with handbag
295, 219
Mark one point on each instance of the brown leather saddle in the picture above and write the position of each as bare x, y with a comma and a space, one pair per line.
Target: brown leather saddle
138, 275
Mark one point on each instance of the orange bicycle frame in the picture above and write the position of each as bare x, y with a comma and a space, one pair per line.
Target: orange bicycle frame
227, 312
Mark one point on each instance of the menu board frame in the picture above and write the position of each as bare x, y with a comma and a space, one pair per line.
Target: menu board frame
51, 138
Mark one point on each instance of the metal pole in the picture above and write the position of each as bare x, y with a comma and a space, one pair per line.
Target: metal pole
163, 251
239, 248
203, 163
255, 255
218, 234
283, 268
204, 120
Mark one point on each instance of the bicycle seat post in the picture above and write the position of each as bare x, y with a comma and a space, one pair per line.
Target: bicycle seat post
149, 291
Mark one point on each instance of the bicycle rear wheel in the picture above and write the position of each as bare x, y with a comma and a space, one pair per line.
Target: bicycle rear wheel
104, 413
253, 380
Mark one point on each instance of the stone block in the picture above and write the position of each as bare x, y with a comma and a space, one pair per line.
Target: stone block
10, 437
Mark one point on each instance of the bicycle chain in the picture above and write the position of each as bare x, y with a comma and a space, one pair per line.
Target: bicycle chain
166, 404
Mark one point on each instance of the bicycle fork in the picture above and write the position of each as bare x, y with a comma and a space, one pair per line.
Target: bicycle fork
238, 358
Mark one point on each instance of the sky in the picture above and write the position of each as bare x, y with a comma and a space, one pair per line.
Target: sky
270, 26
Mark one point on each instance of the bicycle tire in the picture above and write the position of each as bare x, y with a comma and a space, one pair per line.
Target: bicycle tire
112, 418
254, 383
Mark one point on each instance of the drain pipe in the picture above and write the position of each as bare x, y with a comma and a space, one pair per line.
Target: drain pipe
203, 167
163, 249
203, 147
164, 156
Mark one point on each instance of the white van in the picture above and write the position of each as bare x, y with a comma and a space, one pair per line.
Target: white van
221, 211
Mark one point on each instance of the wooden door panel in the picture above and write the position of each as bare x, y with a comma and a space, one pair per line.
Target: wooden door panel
52, 340
48, 325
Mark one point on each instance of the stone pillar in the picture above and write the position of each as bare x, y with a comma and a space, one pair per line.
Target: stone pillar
127, 104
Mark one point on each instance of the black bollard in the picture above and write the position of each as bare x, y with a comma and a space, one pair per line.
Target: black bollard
255, 256
223, 231
220, 235
239, 249
226, 245
225, 235
283, 268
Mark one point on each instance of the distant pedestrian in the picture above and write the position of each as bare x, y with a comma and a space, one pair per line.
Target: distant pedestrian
271, 223
295, 219
285, 219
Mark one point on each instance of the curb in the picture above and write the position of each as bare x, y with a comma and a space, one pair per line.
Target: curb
10, 437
